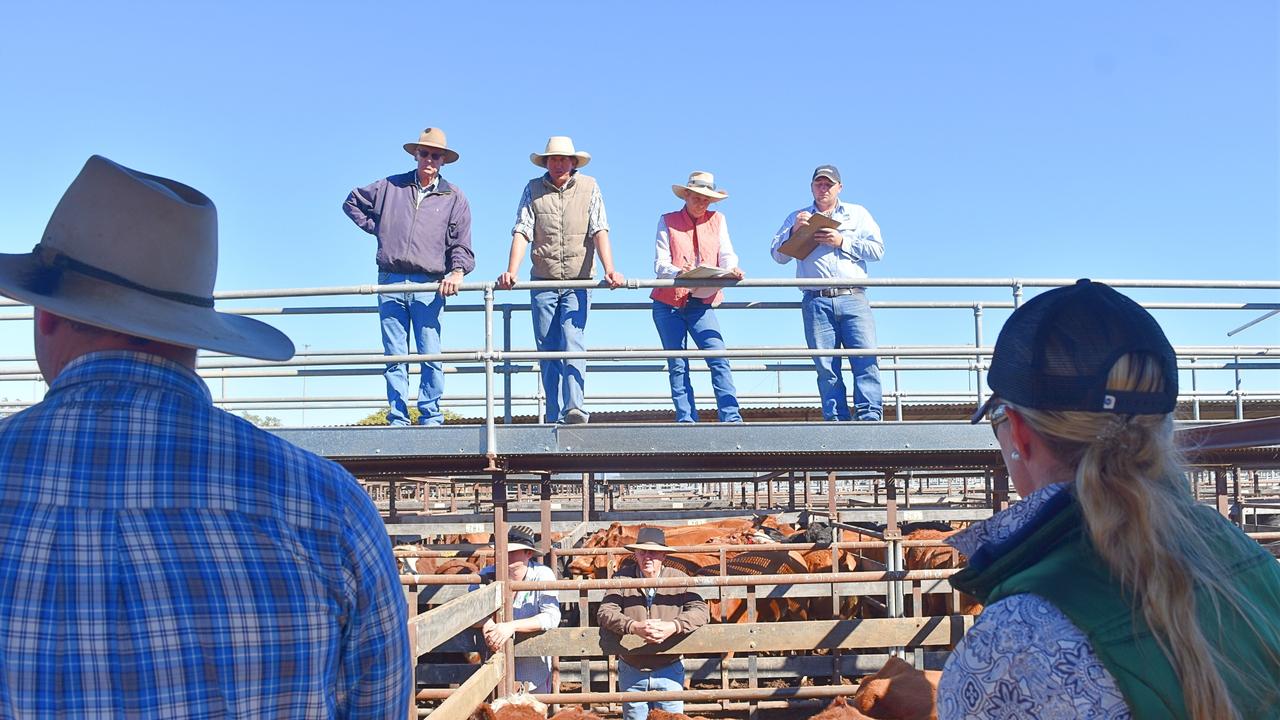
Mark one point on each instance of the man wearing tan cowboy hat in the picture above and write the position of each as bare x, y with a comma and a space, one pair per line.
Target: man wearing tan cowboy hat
562, 214
163, 558
838, 317
690, 237
423, 226
653, 615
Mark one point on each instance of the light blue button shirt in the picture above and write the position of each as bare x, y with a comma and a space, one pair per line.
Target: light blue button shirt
862, 244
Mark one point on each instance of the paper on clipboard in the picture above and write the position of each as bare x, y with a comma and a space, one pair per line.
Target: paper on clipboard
705, 272
801, 242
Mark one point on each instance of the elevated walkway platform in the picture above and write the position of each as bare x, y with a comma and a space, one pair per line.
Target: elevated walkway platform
886, 446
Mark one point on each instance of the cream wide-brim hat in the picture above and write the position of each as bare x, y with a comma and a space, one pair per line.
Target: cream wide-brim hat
560, 145
136, 254
432, 138
702, 183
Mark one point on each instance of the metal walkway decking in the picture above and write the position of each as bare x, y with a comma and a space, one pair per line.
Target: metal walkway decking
518, 449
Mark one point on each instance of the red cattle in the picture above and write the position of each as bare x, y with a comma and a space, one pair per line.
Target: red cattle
898, 692
839, 709
618, 535
767, 609
936, 558
439, 565
656, 714
574, 712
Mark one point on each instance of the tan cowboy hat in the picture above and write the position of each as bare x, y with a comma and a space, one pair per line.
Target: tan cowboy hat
432, 138
650, 538
559, 145
137, 254
702, 183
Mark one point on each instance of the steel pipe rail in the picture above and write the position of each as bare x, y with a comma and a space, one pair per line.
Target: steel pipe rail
753, 305
897, 359
1008, 282
700, 695
694, 581
730, 580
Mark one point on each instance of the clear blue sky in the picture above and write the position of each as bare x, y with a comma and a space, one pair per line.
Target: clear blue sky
995, 139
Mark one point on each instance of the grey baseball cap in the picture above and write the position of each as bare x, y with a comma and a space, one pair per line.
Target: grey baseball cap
830, 172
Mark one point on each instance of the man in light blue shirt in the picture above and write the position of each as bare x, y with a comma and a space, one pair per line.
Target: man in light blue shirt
838, 317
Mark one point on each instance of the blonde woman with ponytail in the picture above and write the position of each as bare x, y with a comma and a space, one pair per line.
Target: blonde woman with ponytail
1110, 592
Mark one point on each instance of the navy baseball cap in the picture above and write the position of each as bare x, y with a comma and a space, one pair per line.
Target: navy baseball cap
1056, 351
827, 171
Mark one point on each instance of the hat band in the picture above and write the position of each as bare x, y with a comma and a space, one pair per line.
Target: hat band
52, 263
702, 184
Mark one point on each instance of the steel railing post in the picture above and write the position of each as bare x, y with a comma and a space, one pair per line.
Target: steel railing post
506, 364
1195, 397
1239, 394
977, 344
490, 434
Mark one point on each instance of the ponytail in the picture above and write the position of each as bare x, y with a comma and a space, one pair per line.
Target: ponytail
1136, 506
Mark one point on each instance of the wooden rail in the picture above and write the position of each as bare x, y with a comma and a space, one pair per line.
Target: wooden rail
463, 701
436, 626
943, 630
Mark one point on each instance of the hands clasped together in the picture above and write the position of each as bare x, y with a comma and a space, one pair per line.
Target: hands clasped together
653, 631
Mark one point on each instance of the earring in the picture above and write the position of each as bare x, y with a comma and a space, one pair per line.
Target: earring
1015, 455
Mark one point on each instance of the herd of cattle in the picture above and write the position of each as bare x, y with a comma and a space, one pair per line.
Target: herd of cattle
766, 529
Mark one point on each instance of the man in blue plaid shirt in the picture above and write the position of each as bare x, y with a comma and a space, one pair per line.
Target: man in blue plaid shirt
160, 558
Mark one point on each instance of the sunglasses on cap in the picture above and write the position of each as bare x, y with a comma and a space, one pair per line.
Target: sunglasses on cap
997, 414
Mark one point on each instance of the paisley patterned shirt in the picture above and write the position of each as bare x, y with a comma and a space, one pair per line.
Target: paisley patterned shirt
1023, 658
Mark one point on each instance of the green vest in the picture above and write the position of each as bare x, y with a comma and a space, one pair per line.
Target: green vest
1058, 563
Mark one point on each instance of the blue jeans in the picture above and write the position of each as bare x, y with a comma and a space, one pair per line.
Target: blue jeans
844, 321
631, 679
419, 313
697, 320
559, 325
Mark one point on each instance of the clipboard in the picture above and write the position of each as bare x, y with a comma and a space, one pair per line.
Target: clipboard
705, 272
801, 242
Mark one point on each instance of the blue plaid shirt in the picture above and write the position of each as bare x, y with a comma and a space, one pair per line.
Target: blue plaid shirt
160, 558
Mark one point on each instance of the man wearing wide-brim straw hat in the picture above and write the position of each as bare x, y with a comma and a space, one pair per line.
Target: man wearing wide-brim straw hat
192, 538
653, 615
423, 226
692, 237
562, 214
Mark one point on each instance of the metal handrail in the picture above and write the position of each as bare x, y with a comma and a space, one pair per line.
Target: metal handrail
499, 360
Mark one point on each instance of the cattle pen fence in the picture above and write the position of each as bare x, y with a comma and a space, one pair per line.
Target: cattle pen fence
728, 669
718, 654
715, 654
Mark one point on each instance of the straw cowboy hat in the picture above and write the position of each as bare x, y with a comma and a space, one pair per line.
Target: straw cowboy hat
560, 145
137, 254
520, 537
432, 138
702, 183
650, 538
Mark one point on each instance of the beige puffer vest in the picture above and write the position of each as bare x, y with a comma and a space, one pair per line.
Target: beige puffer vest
561, 248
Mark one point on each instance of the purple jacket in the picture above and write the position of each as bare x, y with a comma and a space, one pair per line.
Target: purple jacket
433, 237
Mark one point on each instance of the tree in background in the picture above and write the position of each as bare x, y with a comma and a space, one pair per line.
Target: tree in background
380, 417
264, 421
